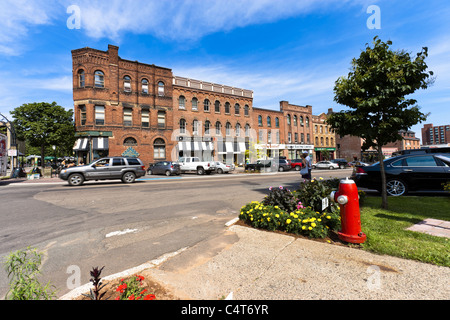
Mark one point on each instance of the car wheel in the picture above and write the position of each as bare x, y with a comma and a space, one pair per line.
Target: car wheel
396, 188
76, 179
200, 171
219, 170
313, 167
128, 177
331, 167
149, 172
281, 169
168, 173
297, 168
341, 166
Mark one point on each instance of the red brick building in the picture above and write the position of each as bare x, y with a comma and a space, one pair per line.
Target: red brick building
435, 135
129, 108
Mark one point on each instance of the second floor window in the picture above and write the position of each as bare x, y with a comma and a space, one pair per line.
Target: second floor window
99, 115
127, 117
81, 78
182, 126
145, 115
82, 115
206, 105
217, 106
161, 119
246, 109
181, 102
99, 79
160, 88
194, 103
260, 121
127, 84
144, 84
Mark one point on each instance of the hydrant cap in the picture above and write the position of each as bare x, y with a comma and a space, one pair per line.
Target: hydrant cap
347, 181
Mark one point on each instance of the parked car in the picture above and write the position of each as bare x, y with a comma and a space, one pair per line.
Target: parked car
358, 163
260, 164
124, 168
406, 173
325, 165
283, 165
224, 168
194, 164
164, 167
296, 164
341, 162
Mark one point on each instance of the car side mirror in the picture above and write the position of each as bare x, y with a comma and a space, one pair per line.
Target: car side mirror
94, 166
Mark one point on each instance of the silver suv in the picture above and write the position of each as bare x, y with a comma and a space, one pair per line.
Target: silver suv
126, 169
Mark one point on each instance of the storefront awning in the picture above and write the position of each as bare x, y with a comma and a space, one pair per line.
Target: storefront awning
81, 144
100, 143
195, 146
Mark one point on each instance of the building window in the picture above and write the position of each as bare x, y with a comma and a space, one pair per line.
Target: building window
99, 79
247, 130
277, 122
81, 78
326, 141
308, 138
246, 110
321, 141
206, 105
194, 103
144, 85
269, 122
317, 141
227, 107
182, 126
260, 121
236, 109
207, 126
82, 115
99, 115
127, 84
295, 120
301, 121
130, 141
289, 119
307, 122
302, 137
289, 137
238, 130
315, 129
161, 89
269, 136
195, 127
159, 147
161, 119
218, 128
228, 129
217, 106
181, 102
145, 118
295, 137
127, 117
277, 136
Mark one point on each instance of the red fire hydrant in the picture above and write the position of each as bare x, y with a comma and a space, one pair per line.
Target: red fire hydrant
348, 199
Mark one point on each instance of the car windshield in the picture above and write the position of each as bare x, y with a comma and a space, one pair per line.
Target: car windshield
445, 158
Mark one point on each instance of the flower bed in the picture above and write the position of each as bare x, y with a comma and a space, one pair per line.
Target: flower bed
297, 212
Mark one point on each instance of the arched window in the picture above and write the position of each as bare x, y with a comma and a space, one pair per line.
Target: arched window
99, 79
159, 149
227, 107
228, 129
238, 130
295, 120
307, 122
160, 88
277, 122
289, 119
127, 84
321, 141
207, 126
182, 126
218, 128
217, 106
144, 85
247, 130
181, 102
317, 141
269, 121
206, 105
81, 78
301, 121
130, 141
237, 108
260, 121
194, 103
246, 110
195, 127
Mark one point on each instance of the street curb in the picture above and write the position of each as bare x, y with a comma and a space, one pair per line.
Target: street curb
148, 265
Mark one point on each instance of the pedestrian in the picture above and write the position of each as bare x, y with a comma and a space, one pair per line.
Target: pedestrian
309, 162
305, 168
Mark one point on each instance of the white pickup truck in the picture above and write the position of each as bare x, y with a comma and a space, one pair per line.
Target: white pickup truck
194, 164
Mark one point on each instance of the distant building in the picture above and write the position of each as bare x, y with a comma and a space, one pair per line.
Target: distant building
435, 135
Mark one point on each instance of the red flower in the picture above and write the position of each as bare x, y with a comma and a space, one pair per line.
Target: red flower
143, 291
139, 278
131, 297
150, 297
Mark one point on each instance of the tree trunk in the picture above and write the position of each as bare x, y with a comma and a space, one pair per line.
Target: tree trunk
384, 202
42, 155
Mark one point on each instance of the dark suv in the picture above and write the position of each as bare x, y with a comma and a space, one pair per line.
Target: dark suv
126, 169
341, 162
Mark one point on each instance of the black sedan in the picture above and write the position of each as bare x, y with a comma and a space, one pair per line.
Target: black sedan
409, 172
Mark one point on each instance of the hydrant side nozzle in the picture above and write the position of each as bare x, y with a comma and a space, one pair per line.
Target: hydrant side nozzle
342, 199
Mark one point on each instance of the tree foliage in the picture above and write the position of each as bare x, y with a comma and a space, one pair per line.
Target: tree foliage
377, 92
45, 124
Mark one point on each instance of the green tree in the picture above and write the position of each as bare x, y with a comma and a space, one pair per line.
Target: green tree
45, 124
377, 91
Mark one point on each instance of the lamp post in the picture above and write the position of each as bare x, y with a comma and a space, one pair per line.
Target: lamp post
54, 153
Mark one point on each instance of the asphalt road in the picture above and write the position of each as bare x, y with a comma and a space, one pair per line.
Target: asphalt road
122, 226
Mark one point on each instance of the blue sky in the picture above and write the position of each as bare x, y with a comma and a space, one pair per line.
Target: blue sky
282, 50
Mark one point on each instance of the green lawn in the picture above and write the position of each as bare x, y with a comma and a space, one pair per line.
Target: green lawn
386, 229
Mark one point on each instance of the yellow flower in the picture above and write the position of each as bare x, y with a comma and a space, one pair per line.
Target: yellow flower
295, 216
292, 214
328, 217
268, 219
304, 227
320, 178
313, 224
319, 220
288, 221
276, 207
277, 215
309, 228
